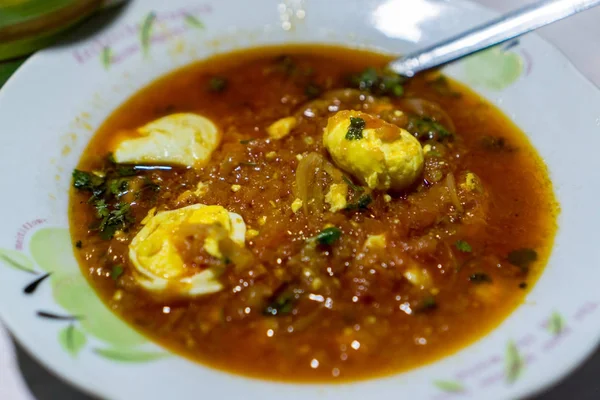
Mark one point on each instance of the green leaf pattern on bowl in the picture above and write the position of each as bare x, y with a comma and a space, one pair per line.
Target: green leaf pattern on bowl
556, 323
193, 21
514, 362
494, 68
146, 31
51, 250
17, 260
72, 339
106, 57
449, 386
129, 355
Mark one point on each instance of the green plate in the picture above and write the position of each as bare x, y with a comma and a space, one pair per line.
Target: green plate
29, 25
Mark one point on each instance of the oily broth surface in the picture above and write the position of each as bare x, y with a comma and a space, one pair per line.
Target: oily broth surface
367, 332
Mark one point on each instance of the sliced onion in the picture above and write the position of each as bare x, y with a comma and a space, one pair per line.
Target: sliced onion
306, 180
451, 185
308, 188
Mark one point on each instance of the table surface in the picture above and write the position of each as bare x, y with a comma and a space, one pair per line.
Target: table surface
22, 378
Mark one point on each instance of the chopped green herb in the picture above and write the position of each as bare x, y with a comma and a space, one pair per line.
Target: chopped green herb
249, 164
282, 306
355, 129
522, 258
480, 277
398, 90
312, 91
434, 153
118, 218
149, 184
126, 170
425, 128
286, 64
463, 246
165, 110
427, 303
217, 84
523, 285
107, 187
108, 231
116, 272
118, 187
352, 186
366, 79
328, 236
442, 86
246, 141
385, 83
102, 210
362, 203
281, 302
496, 144
86, 181
78, 244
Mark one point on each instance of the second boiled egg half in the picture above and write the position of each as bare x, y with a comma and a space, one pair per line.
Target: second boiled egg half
158, 265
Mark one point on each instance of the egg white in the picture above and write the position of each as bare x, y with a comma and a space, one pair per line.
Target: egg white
182, 139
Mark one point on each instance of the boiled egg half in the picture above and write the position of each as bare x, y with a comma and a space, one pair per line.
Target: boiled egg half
157, 263
379, 154
183, 139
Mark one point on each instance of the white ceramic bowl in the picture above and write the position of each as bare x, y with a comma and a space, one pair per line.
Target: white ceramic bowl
50, 108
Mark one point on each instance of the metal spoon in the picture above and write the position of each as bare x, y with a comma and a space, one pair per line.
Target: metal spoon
496, 31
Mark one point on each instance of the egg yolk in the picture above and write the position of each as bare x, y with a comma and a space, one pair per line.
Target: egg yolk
381, 155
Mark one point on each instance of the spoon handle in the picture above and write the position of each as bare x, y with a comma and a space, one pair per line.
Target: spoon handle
496, 31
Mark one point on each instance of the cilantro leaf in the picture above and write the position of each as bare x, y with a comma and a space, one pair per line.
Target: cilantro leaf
329, 236
217, 84
362, 203
522, 258
312, 91
118, 218
463, 246
86, 181
281, 302
101, 208
426, 128
351, 185
384, 83
118, 187
427, 303
116, 272
126, 170
355, 130
480, 277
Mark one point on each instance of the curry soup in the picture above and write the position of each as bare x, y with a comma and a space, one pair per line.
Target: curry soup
314, 261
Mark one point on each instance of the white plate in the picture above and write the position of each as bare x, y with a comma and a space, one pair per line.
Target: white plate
50, 108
